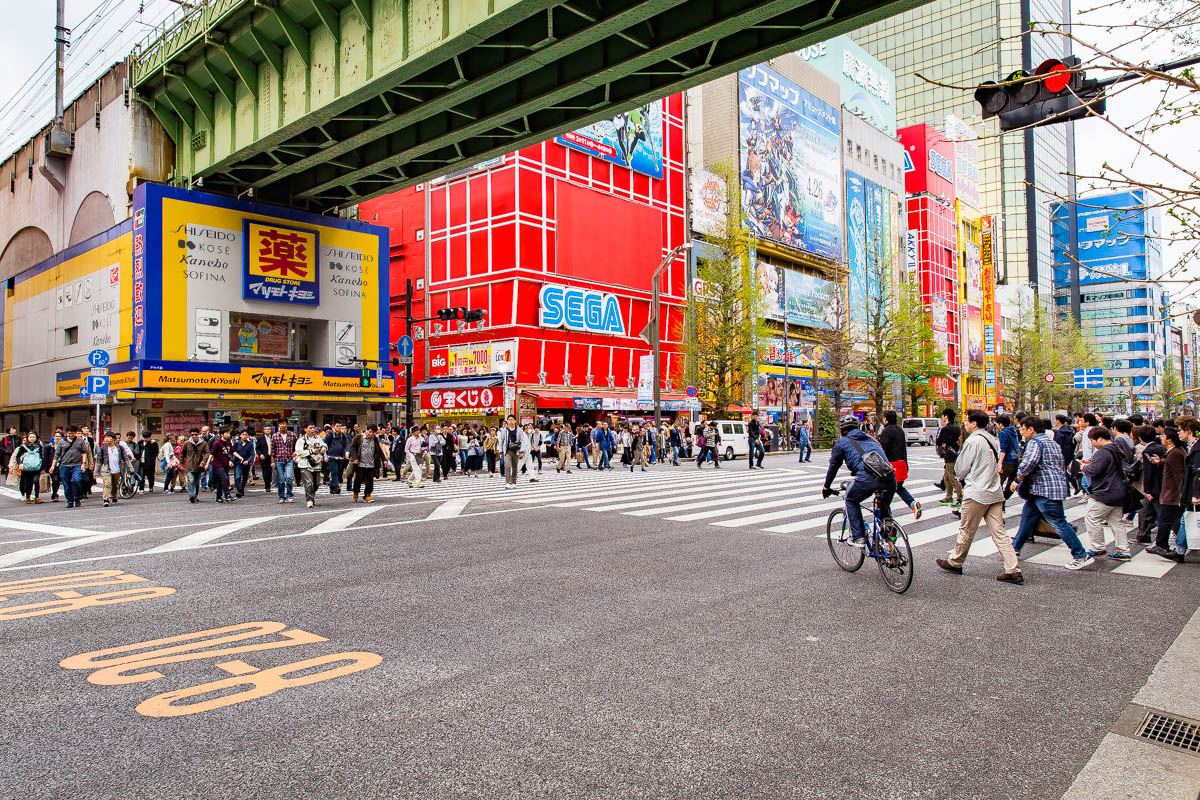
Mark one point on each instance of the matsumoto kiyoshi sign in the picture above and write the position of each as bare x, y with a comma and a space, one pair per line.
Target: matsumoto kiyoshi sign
582, 310
281, 264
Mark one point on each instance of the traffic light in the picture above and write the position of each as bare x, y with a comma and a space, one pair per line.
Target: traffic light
447, 314
364, 378
1057, 91
475, 315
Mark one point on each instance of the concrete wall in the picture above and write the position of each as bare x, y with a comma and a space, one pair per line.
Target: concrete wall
46, 205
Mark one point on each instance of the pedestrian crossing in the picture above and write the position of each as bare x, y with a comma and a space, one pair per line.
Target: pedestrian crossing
783, 500
780, 501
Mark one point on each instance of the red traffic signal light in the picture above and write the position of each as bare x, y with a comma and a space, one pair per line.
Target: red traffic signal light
1055, 75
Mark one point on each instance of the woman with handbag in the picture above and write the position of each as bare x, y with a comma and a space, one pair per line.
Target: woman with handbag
28, 458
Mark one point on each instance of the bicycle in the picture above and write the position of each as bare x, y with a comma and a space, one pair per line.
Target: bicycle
129, 485
887, 543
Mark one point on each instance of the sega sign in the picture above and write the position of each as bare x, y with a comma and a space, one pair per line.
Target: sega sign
941, 166
582, 310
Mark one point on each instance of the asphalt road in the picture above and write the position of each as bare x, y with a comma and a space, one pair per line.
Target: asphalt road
526, 650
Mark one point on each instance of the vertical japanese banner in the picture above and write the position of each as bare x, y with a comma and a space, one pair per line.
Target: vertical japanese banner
856, 231
646, 379
876, 248
988, 281
138, 349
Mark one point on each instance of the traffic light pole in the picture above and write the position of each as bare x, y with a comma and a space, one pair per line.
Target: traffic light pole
472, 315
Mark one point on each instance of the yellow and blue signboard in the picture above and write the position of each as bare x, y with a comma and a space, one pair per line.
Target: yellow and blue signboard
167, 292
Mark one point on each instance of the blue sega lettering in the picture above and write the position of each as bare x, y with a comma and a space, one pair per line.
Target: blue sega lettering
582, 310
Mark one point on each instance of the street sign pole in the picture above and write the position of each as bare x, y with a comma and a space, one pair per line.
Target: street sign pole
408, 373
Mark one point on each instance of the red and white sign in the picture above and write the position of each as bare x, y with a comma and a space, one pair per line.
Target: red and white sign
480, 401
1049, 377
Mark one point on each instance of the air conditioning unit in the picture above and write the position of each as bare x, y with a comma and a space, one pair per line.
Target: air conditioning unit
59, 144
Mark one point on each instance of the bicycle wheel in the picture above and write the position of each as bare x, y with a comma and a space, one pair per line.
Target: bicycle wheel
126, 490
837, 535
896, 565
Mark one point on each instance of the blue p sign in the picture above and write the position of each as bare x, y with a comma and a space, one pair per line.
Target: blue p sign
97, 384
98, 358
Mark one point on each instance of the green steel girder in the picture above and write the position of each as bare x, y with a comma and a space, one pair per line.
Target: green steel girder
273, 54
330, 18
350, 99
246, 71
200, 98
225, 85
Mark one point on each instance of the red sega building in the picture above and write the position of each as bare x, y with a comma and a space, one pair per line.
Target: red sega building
933, 236
557, 243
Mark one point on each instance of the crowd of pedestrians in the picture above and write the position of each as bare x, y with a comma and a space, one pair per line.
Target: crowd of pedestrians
1141, 481
224, 461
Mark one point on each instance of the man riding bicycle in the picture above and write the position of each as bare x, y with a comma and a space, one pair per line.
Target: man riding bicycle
852, 448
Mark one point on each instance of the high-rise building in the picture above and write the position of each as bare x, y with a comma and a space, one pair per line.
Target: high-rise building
1020, 174
1116, 278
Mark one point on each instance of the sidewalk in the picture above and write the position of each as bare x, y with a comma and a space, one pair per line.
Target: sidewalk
1129, 765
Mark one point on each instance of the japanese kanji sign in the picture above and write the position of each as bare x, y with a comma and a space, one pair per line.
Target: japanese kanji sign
444, 402
281, 264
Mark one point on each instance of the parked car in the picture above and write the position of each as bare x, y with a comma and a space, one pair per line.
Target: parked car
734, 441
921, 430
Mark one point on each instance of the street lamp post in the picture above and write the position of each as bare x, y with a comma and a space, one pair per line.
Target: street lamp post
655, 338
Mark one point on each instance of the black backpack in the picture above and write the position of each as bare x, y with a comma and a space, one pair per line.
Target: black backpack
874, 463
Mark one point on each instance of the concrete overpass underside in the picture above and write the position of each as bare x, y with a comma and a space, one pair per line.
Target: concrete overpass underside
321, 103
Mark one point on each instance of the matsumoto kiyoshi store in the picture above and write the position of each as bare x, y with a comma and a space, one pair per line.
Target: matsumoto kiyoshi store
210, 310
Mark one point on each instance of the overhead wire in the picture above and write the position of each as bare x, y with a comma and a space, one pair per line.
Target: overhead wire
21, 115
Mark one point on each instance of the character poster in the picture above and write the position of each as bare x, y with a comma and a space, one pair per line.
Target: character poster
790, 163
632, 139
975, 335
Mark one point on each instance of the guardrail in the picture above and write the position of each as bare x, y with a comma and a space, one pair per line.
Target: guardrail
175, 33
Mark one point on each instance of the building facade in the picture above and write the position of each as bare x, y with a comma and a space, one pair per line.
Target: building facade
963, 44
558, 244
778, 126
1121, 302
209, 310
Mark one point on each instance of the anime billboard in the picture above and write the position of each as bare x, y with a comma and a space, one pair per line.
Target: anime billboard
632, 139
791, 164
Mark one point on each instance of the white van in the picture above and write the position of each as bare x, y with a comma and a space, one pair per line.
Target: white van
921, 430
733, 439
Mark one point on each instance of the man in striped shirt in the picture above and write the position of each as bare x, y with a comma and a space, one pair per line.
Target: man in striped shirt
1042, 468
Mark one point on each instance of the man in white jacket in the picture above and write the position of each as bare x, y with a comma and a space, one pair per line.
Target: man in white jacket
978, 467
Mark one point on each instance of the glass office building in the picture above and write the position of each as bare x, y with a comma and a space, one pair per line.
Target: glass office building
959, 43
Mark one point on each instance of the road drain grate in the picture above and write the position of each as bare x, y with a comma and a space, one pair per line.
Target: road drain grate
1171, 731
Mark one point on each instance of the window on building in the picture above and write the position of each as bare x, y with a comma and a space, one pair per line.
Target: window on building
71, 335
253, 337
1140, 293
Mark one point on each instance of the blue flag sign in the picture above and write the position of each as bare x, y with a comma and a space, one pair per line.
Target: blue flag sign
1089, 378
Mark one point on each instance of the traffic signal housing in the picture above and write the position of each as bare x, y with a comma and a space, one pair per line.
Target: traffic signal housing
1057, 91
364, 378
475, 315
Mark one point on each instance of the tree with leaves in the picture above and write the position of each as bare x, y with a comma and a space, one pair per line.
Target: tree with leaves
1169, 386
722, 328
877, 349
836, 340
917, 358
